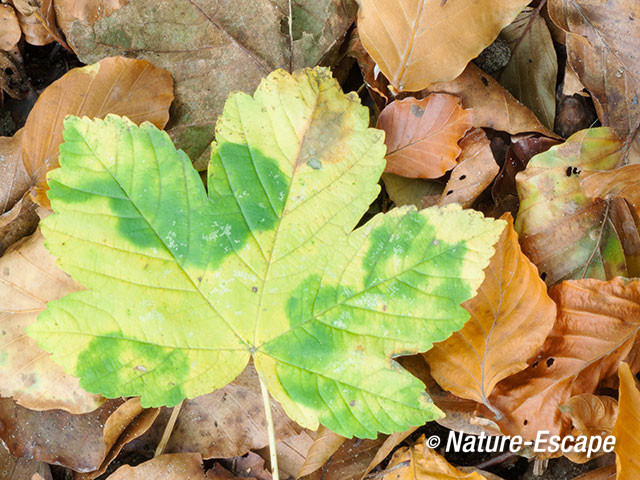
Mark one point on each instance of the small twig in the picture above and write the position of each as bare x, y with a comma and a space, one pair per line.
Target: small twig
55, 36
168, 430
497, 460
270, 430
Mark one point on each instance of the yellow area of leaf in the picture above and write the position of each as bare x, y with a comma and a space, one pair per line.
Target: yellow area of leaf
510, 317
422, 135
419, 42
493, 106
591, 416
475, 171
29, 278
420, 462
420, 192
132, 88
10, 32
627, 426
595, 329
178, 466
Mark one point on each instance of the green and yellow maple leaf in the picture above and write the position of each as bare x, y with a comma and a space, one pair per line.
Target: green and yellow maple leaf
186, 284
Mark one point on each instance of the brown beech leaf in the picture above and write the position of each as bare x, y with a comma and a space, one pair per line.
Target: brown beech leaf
532, 71
10, 31
595, 328
627, 426
519, 153
212, 48
422, 135
324, 445
493, 106
510, 317
621, 182
419, 462
12, 468
591, 416
607, 472
37, 20
89, 11
419, 42
603, 45
566, 233
228, 422
292, 453
177, 466
132, 88
14, 180
474, 172
29, 278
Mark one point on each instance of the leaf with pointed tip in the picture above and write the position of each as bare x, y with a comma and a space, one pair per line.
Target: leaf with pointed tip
191, 284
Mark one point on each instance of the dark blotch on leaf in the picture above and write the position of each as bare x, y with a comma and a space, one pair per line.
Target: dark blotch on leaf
417, 111
550, 361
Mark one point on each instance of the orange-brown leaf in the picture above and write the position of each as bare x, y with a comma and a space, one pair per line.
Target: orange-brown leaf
510, 318
178, 466
422, 135
621, 182
627, 427
10, 32
128, 87
475, 171
418, 42
67, 11
596, 326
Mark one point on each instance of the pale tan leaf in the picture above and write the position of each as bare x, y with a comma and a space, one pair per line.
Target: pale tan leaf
10, 31
178, 466
627, 427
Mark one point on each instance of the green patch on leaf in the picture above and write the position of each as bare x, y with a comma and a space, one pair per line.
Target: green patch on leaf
185, 285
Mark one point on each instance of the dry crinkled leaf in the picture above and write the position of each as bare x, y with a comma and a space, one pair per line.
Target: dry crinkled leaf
12, 468
627, 427
563, 231
133, 88
422, 135
228, 422
620, 182
591, 416
89, 11
325, 444
10, 31
493, 106
603, 45
595, 328
292, 453
214, 48
419, 42
510, 317
607, 472
420, 462
420, 192
532, 71
14, 180
177, 466
37, 20
475, 171
29, 278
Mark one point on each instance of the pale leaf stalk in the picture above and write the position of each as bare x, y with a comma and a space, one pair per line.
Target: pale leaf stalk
168, 430
272, 437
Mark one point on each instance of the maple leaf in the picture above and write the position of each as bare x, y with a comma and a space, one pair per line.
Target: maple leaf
184, 286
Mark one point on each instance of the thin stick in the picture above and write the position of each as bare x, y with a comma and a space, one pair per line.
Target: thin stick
53, 34
291, 36
168, 430
272, 437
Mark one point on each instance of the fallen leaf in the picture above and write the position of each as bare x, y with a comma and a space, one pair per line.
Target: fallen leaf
418, 42
324, 445
474, 172
591, 416
389, 445
322, 142
504, 191
422, 135
493, 107
419, 462
14, 180
177, 466
10, 31
37, 20
607, 472
218, 472
86, 11
12, 468
13, 78
229, 422
29, 278
510, 318
595, 328
214, 50
603, 42
621, 182
627, 426
134, 88
563, 231
412, 191
292, 452
532, 71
